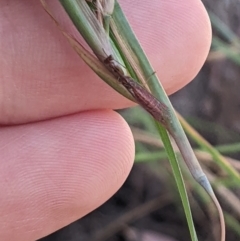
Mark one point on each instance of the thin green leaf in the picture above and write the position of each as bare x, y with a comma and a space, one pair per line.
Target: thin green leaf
178, 178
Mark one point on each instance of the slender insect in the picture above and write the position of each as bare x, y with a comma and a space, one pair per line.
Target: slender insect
142, 96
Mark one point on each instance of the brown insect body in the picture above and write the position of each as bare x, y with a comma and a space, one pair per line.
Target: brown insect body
144, 98
148, 101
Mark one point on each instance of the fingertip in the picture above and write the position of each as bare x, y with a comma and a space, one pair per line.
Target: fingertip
60, 170
176, 36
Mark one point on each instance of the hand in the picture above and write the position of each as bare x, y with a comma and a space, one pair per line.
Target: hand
72, 152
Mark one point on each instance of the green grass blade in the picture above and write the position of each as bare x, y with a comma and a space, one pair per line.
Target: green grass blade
178, 178
175, 128
219, 159
84, 20
229, 51
229, 148
222, 28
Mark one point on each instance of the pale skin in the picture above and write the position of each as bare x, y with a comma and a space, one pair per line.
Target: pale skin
72, 152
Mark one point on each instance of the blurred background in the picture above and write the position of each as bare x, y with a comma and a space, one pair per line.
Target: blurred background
148, 206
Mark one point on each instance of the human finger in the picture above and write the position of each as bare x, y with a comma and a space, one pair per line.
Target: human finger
54, 172
42, 77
